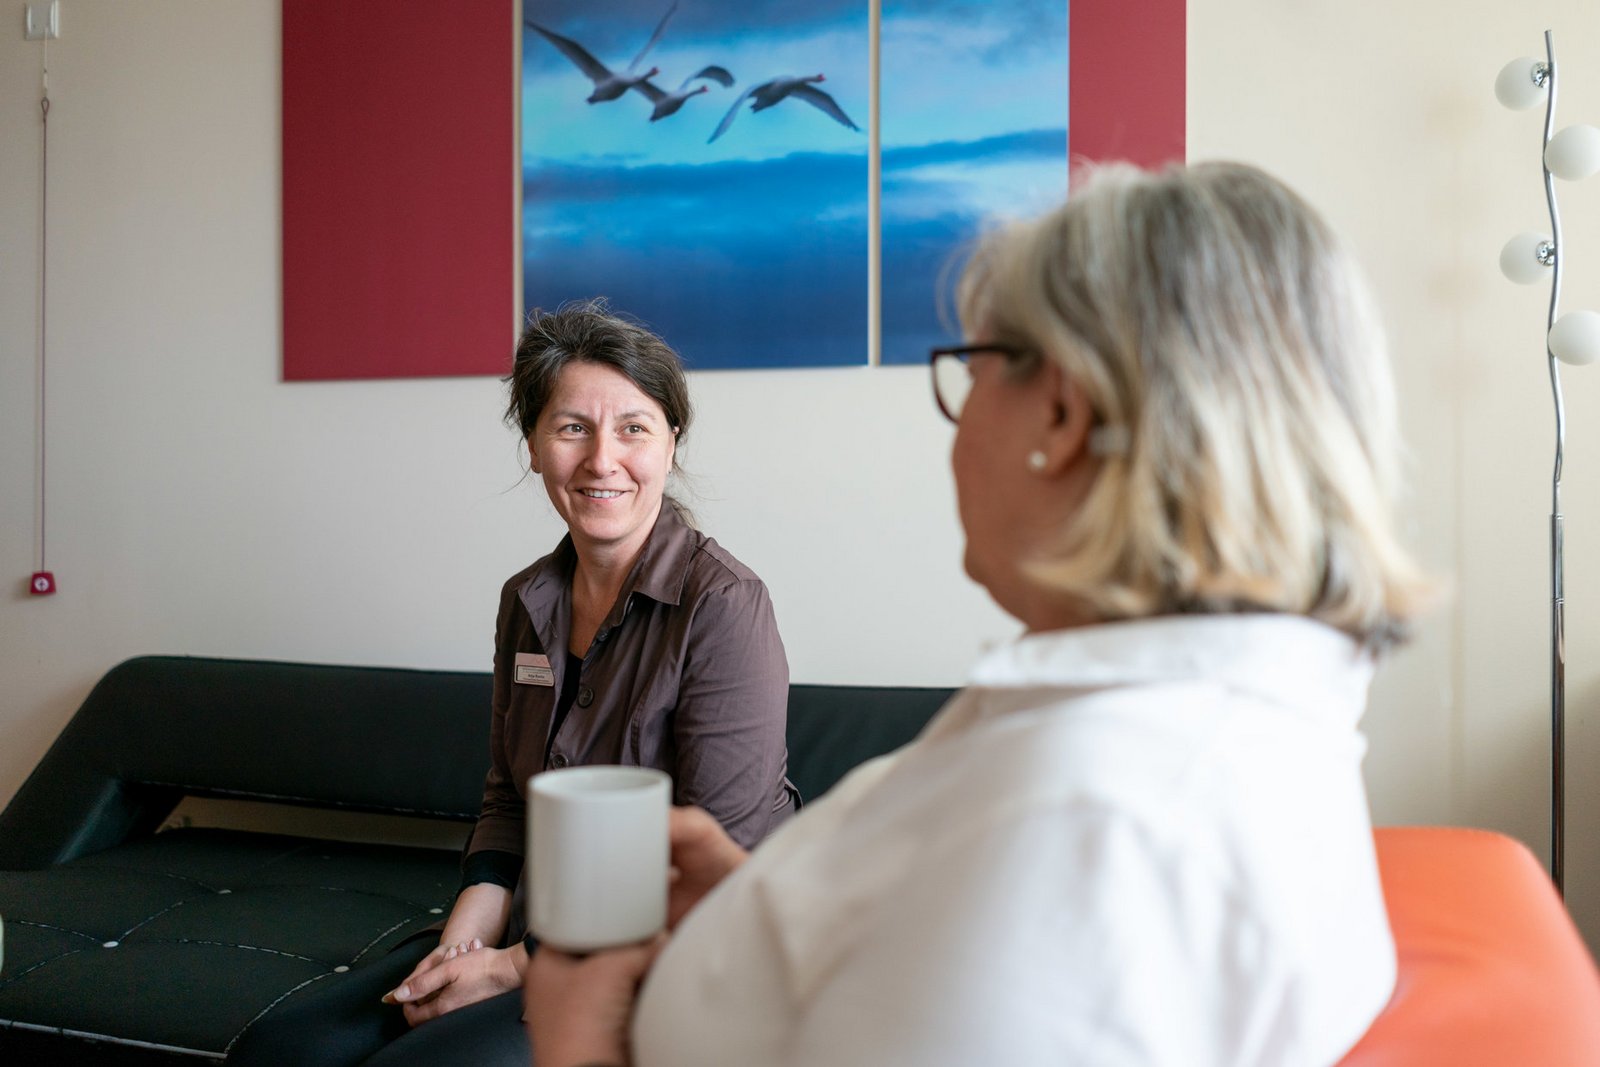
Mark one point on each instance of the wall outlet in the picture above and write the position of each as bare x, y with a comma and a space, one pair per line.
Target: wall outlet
41, 22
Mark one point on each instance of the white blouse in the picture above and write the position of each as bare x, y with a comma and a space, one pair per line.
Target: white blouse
1139, 843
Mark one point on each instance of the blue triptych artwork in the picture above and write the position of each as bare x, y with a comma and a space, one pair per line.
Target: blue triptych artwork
704, 165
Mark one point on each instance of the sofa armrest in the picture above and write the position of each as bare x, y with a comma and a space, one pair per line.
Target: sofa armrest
1492, 971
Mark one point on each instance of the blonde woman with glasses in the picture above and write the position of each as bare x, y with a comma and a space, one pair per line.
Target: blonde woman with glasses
1140, 834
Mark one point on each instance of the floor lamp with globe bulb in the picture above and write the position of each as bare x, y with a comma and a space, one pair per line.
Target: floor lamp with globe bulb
1574, 338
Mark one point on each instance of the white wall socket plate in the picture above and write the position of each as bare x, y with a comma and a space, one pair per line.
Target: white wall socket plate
42, 22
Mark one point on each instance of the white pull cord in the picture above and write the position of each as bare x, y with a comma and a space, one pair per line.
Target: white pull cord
44, 276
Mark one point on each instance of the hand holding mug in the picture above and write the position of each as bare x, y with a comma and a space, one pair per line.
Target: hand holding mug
702, 855
578, 1009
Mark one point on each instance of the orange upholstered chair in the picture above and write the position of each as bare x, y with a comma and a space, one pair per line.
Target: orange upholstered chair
1492, 971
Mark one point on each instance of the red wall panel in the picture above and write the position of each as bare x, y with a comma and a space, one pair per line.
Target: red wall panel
1127, 80
399, 211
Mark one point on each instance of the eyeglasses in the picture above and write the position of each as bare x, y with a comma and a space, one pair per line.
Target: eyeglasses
952, 379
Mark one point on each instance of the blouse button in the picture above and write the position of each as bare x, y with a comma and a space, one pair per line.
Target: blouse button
558, 760
585, 696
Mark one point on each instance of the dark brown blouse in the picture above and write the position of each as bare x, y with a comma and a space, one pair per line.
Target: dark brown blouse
686, 674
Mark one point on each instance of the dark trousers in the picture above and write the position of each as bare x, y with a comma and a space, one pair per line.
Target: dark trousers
486, 1034
344, 1022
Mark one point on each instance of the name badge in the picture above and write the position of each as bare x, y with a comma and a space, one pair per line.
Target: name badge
533, 669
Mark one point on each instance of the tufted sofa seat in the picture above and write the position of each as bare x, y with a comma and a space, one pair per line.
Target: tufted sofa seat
125, 945
177, 942
128, 945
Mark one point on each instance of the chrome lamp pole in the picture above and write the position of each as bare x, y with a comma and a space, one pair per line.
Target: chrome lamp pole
1572, 154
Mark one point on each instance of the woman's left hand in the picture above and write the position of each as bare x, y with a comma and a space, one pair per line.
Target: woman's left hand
577, 1008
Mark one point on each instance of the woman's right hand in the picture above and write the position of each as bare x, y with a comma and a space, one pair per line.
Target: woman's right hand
702, 855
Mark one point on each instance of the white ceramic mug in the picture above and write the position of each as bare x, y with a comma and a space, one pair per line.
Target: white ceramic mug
598, 856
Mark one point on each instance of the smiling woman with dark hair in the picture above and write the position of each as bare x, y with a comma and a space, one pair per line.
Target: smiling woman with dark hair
638, 640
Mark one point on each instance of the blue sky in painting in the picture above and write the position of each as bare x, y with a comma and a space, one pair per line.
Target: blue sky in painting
753, 251
974, 127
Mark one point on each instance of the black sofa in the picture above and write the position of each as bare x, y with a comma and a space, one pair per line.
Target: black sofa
129, 944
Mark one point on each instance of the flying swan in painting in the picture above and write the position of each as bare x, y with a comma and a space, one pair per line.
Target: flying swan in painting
608, 84
776, 91
669, 103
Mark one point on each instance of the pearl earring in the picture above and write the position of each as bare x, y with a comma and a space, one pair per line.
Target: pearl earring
1036, 460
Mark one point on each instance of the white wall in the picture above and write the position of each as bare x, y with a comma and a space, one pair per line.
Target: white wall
199, 506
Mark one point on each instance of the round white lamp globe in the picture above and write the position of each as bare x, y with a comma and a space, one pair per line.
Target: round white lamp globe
1519, 259
1515, 87
1575, 338
1574, 153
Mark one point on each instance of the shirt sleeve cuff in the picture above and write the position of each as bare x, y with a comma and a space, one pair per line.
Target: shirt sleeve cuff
496, 868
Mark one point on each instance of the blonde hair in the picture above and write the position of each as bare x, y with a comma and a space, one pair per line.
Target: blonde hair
1213, 316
